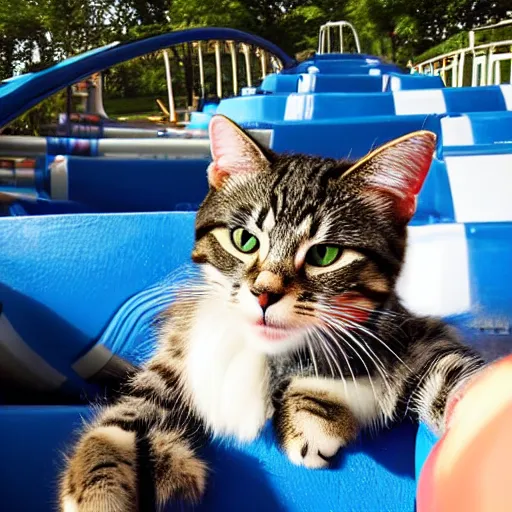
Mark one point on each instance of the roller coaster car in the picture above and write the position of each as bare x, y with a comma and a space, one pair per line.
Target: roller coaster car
93, 226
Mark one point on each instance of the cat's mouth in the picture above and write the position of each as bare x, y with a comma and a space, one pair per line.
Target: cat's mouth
275, 332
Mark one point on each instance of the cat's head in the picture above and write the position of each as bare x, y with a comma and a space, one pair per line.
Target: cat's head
300, 244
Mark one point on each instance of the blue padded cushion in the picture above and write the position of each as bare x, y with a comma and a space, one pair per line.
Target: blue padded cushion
63, 277
372, 475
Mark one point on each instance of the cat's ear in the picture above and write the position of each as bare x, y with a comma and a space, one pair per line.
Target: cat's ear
233, 151
391, 177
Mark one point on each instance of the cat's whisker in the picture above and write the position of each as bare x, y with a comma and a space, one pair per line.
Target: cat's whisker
329, 333
329, 349
340, 328
334, 323
312, 354
322, 348
334, 359
379, 365
358, 326
370, 333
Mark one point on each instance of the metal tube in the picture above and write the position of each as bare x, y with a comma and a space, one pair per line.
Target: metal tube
11, 145
247, 56
460, 77
218, 69
17, 174
201, 67
172, 110
165, 147
22, 146
263, 62
234, 66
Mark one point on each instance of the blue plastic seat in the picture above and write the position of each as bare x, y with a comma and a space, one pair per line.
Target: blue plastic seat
105, 184
252, 478
64, 277
320, 83
453, 100
476, 128
315, 106
402, 82
279, 83
343, 66
348, 137
118, 185
272, 108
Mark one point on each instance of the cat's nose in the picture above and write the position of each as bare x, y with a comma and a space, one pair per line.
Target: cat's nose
266, 299
268, 288
268, 281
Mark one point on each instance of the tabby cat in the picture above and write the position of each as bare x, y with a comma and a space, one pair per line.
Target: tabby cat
295, 318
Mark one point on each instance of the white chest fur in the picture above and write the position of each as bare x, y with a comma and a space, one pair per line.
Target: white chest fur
227, 377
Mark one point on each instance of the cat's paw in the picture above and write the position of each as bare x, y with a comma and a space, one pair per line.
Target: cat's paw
312, 443
101, 473
312, 426
93, 498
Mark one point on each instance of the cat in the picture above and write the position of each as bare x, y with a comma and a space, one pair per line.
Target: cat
295, 318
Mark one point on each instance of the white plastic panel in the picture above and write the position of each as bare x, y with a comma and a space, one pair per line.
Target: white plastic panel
426, 101
506, 90
435, 278
299, 107
457, 131
481, 187
306, 83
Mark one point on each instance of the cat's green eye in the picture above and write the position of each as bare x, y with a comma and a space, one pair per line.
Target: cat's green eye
244, 241
323, 255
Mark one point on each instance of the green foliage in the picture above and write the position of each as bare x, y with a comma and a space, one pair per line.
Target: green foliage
461, 40
37, 33
455, 42
34, 121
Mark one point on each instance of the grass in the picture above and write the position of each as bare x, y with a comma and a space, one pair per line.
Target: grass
131, 107
136, 108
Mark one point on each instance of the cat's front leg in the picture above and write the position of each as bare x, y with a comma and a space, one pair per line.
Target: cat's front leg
314, 418
107, 469
439, 365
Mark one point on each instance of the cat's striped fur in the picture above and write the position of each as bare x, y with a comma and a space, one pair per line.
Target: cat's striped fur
323, 350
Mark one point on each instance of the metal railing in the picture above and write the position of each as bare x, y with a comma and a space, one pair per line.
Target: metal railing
485, 60
325, 39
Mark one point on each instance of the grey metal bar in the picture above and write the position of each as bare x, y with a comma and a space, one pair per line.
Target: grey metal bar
15, 176
26, 146
92, 362
21, 145
170, 147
